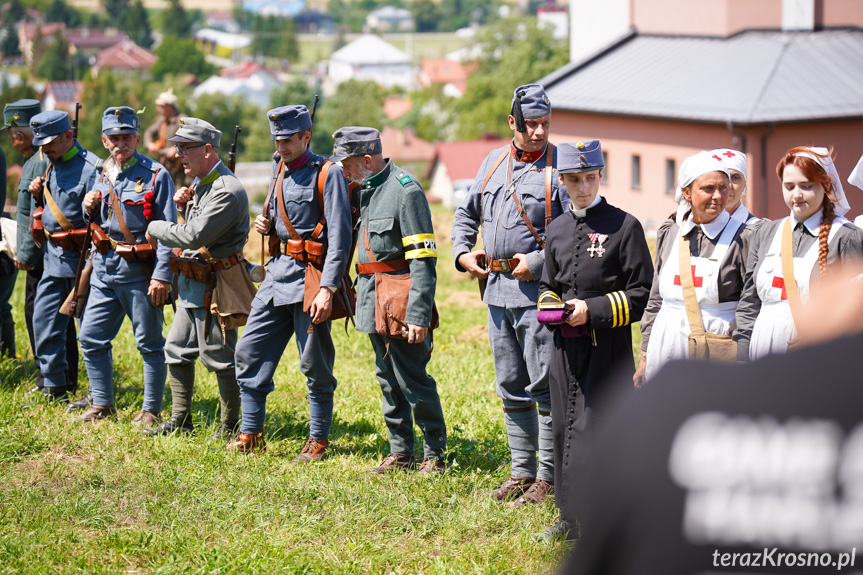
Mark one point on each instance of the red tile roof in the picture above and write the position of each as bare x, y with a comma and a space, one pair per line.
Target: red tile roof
395, 107
404, 146
463, 159
126, 55
244, 70
444, 71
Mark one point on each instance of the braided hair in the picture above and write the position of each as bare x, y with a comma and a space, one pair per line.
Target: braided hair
814, 172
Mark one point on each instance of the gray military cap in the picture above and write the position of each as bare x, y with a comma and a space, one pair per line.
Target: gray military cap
195, 130
18, 114
355, 141
533, 99
575, 157
288, 120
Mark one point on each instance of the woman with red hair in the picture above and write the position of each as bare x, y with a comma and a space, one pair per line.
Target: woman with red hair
804, 245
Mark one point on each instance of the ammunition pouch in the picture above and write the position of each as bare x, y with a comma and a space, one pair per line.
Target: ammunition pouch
38, 229
306, 251
192, 268
73, 240
136, 253
101, 241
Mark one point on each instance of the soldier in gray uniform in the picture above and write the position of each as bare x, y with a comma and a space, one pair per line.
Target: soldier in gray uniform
277, 310
514, 197
130, 276
216, 210
397, 238
16, 118
71, 173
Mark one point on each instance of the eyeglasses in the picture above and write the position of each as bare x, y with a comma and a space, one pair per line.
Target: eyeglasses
183, 150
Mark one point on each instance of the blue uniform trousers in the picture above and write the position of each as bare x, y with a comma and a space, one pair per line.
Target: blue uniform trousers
408, 388
107, 307
521, 347
51, 328
267, 333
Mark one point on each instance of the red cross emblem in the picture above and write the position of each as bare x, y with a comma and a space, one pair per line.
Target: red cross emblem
729, 154
696, 281
717, 158
779, 282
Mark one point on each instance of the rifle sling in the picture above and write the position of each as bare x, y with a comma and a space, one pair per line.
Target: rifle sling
52, 205
115, 203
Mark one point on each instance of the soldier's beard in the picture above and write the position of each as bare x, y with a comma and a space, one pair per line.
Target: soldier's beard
364, 175
124, 150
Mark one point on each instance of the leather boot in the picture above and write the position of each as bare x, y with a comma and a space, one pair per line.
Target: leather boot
249, 443
7, 339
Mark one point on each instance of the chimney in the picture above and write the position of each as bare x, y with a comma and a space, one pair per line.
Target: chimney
594, 25
798, 15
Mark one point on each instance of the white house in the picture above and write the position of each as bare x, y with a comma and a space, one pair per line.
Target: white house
371, 58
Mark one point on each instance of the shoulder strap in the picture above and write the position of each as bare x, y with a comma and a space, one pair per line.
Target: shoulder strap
115, 203
283, 210
488, 177
549, 168
322, 179
791, 289
52, 205
696, 325
524, 217
367, 246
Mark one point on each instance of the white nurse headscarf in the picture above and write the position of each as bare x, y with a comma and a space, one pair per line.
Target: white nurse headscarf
690, 170
822, 156
856, 177
734, 160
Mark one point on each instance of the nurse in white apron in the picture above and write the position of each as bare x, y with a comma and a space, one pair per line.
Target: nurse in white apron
718, 247
735, 161
818, 235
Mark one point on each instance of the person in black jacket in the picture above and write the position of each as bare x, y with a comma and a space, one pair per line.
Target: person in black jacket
595, 283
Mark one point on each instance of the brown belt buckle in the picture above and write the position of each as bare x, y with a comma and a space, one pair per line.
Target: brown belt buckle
504, 266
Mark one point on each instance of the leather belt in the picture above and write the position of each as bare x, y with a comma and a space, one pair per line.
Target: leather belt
370, 268
219, 264
505, 266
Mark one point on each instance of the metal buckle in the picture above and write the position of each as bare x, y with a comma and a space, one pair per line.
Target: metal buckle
504, 266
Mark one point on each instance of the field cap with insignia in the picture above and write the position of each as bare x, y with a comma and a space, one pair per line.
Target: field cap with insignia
18, 113
197, 131
528, 102
48, 125
355, 141
119, 120
575, 157
288, 120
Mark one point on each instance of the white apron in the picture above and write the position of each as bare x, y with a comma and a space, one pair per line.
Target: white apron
774, 327
669, 338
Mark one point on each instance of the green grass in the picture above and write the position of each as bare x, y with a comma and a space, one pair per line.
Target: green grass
101, 499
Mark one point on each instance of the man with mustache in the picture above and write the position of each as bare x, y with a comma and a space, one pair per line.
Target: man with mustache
72, 171
513, 199
131, 277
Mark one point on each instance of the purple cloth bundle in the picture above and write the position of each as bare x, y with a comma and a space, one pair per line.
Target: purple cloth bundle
558, 317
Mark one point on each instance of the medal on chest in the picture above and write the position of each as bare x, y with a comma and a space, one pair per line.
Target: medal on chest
596, 241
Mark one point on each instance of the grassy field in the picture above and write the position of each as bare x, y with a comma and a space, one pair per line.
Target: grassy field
99, 498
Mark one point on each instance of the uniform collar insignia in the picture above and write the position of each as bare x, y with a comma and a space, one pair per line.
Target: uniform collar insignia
522, 156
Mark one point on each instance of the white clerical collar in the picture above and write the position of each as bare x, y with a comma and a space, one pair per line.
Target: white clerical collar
710, 229
812, 223
581, 213
741, 214
197, 180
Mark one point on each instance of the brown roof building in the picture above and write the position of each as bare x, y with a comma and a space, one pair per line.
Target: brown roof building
125, 58
455, 165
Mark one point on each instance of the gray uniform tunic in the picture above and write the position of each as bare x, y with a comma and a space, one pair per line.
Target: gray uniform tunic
217, 218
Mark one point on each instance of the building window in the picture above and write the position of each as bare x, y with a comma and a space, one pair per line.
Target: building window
636, 172
604, 181
670, 175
